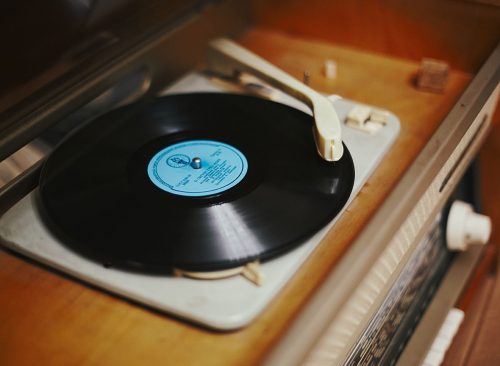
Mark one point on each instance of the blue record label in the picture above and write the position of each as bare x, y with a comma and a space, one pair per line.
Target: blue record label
197, 168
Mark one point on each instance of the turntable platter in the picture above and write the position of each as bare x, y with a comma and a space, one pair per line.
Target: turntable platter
199, 181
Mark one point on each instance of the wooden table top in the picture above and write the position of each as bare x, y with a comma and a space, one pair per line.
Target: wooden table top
48, 318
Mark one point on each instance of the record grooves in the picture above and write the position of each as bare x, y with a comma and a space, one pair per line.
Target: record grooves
124, 190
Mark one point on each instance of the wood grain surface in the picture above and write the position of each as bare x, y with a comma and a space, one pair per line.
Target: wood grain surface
47, 318
459, 32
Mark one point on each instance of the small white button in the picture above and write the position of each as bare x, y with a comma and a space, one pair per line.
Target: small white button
466, 227
367, 119
330, 69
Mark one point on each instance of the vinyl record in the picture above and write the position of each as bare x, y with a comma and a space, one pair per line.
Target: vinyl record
195, 181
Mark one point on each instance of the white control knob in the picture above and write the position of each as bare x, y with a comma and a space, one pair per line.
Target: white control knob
466, 227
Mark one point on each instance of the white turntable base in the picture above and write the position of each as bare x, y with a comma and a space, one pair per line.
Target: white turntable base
224, 304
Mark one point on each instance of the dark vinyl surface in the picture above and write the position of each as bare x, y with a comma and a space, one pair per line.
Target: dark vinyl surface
95, 188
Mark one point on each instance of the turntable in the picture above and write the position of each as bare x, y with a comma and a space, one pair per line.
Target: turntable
200, 184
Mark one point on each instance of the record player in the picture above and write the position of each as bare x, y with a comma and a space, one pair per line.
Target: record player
260, 206
201, 300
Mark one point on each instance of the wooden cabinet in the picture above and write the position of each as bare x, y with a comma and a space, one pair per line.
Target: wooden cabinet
49, 318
